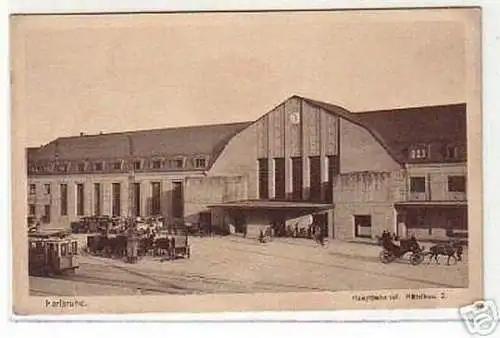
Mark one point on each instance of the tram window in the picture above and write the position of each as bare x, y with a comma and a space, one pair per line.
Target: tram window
64, 249
74, 248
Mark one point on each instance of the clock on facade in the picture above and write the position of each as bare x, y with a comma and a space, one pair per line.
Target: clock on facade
295, 117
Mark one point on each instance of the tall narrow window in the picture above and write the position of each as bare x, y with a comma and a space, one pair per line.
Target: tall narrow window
32, 189
156, 198
46, 189
46, 214
116, 199
177, 200
64, 199
315, 178
333, 171
263, 178
32, 209
297, 178
279, 178
80, 206
97, 199
137, 199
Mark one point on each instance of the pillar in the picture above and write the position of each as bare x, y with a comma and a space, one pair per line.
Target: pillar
330, 223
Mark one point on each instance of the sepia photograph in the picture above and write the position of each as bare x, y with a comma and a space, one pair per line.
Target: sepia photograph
284, 158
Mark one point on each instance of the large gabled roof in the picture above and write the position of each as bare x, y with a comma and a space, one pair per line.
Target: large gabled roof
399, 129
192, 140
394, 129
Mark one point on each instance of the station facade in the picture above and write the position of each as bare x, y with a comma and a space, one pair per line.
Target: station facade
356, 174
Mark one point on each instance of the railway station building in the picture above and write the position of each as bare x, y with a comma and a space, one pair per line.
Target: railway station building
355, 173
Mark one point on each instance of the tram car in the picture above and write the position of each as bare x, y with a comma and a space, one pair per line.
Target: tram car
52, 253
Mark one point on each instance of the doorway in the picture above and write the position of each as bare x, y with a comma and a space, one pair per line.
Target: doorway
363, 226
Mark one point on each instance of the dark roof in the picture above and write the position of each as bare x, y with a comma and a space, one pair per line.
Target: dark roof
399, 129
207, 140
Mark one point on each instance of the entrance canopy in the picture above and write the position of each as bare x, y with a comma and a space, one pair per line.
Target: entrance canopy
273, 205
432, 204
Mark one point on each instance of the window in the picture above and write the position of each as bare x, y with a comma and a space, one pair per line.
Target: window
177, 163
98, 166
97, 199
116, 202
263, 178
63, 167
64, 249
315, 178
32, 210
64, 199
451, 152
177, 200
200, 163
137, 165
81, 167
156, 164
46, 189
417, 184
74, 247
32, 189
297, 178
137, 199
279, 178
156, 198
456, 183
363, 226
46, 214
80, 203
419, 152
117, 165
333, 170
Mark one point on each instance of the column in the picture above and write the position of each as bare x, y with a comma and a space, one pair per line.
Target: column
330, 223
270, 176
145, 198
106, 198
322, 153
125, 189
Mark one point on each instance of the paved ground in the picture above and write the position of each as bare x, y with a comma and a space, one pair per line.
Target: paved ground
237, 265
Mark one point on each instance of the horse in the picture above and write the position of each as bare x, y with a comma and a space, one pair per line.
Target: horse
451, 250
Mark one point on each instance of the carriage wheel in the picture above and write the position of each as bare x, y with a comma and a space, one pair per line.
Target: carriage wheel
416, 258
386, 256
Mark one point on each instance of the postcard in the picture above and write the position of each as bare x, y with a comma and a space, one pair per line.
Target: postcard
246, 161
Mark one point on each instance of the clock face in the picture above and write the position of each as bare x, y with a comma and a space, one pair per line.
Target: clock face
295, 118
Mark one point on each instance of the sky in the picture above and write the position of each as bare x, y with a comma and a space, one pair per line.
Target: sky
124, 72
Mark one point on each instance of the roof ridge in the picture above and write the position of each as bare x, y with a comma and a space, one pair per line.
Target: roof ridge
129, 132
410, 108
351, 117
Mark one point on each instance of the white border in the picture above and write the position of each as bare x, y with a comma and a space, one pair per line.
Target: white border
491, 105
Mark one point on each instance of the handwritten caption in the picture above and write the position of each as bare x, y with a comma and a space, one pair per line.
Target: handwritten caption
409, 296
64, 303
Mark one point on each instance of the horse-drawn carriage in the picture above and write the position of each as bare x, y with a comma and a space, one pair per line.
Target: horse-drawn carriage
391, 251
172, 244
52, 253
132, 240
91, 224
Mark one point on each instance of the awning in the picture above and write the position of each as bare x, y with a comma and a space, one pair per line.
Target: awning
432, 204
273, 205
